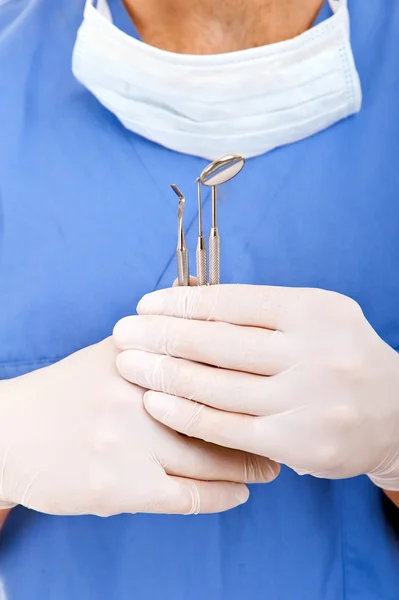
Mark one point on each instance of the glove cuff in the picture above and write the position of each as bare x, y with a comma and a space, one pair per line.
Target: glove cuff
6, 505
390, 484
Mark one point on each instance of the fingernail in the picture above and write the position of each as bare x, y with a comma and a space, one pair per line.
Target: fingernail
150, 304
242, 494
155, 404
274, 470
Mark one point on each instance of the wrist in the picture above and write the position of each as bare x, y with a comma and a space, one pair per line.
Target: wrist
6, 403
3, 516
393, 496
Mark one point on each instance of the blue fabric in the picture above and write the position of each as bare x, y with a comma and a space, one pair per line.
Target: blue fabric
324, 13
75, 187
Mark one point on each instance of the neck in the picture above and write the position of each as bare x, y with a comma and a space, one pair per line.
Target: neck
212, 27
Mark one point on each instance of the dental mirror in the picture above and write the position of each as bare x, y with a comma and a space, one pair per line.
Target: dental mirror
218, 172
222, 170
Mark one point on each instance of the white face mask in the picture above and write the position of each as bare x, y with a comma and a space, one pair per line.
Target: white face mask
245, 102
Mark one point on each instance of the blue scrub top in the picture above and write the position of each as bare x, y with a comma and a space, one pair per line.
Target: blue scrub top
75, 188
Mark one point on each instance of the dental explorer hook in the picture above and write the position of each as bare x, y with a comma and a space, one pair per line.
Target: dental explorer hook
181, 251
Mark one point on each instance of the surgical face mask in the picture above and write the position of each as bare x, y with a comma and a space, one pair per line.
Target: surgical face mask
246, 102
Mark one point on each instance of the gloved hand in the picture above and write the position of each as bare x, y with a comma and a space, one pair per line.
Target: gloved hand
75, 439
297, 375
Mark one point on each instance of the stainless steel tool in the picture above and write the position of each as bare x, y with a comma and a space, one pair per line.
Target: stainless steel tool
218, 172
181, 251
201, 248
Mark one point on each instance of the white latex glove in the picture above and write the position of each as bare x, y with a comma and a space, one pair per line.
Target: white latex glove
75, 439
303, 377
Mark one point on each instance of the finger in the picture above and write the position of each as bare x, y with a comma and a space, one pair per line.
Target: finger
255, 306
226, 390
304, 440
249, 349
196, 459
229, 430
190, 497
298, 439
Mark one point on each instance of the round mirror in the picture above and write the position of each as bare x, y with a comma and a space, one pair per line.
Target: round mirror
222, 170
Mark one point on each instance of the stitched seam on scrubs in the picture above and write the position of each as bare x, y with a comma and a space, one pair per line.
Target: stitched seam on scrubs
155, 183
128, 137
205, 201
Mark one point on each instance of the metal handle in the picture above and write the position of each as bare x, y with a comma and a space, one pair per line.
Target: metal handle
182, 266
214, 257
201, 261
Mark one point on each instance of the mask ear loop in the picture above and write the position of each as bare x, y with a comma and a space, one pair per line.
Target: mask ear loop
103, 8
336, 5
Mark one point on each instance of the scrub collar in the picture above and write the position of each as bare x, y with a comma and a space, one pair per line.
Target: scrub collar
123, 21
196, 104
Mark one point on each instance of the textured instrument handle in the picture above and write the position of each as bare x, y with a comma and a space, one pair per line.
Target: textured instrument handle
182, 266
214, 258
201, 266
